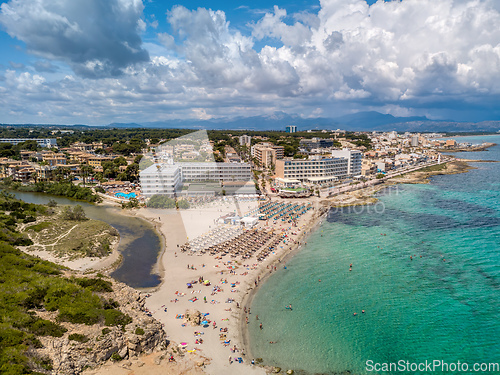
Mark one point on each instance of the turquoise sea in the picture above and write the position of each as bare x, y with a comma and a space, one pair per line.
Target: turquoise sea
443, 304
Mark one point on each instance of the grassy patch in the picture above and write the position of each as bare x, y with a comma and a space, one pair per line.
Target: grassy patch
434, 168
40, 226
73, 239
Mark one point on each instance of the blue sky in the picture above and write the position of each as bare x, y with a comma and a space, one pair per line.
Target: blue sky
95, 62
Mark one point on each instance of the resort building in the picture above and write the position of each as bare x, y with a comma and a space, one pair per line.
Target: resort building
46, 142
343, 164
267, 153
414, 140
314, 143
291, 129
354, 158
202, 172
314, 170
160, 179
167, 178
245, 140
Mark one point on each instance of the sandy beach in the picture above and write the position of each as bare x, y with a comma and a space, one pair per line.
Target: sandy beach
232, 283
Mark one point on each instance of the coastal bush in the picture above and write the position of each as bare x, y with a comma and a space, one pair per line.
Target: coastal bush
161, 201
78, 337
29, 283
29, 219
116, 357
76, 213
42, 327
95, 285
105, 331
139, 331
52, 203
116, 318
64, 189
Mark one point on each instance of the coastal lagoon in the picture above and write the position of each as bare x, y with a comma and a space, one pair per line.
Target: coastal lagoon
425, 268
139, 244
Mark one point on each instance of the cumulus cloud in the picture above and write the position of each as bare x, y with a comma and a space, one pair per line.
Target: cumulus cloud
96, 38
45, 66
400, 56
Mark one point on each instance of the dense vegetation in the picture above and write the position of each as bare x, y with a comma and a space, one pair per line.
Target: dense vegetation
131, 141
63, 189
8, 150
162, 201
29, 284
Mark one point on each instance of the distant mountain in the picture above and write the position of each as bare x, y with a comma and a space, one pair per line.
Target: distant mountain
361, 121
372, 120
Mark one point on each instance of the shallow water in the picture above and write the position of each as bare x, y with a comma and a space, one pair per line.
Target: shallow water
444, 304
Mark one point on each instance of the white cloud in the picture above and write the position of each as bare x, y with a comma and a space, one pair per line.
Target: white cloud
97, 38
397, 56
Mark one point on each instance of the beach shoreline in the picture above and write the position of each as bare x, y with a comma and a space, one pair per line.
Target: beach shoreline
172, 227
314, 224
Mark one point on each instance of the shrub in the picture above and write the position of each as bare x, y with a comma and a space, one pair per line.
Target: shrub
95, 285
105, 331
44, 327
78, 337
139, 331
116, 318
77, 213
116, 357
52, 203
29, 219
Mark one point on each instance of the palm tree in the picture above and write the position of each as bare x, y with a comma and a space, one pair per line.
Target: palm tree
60, 173
86, 170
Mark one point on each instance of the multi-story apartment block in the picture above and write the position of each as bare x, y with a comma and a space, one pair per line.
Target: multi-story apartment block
354, 158
200, 172
314, 170
313, 143
267, 153
343, 163
54, 159
160, 179
245, 140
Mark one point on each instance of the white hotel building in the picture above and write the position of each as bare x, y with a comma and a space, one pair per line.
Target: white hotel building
167, 178
343, 164
160, 179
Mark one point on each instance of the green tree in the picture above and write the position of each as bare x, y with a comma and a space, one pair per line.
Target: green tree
86, 171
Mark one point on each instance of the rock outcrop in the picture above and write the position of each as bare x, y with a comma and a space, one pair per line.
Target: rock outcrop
193, 317
97, 343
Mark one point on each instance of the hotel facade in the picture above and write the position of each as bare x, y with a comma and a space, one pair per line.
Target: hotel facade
166, 179
267, 153
344, 164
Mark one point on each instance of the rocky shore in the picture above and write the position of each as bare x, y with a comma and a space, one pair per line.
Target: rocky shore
89, 346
